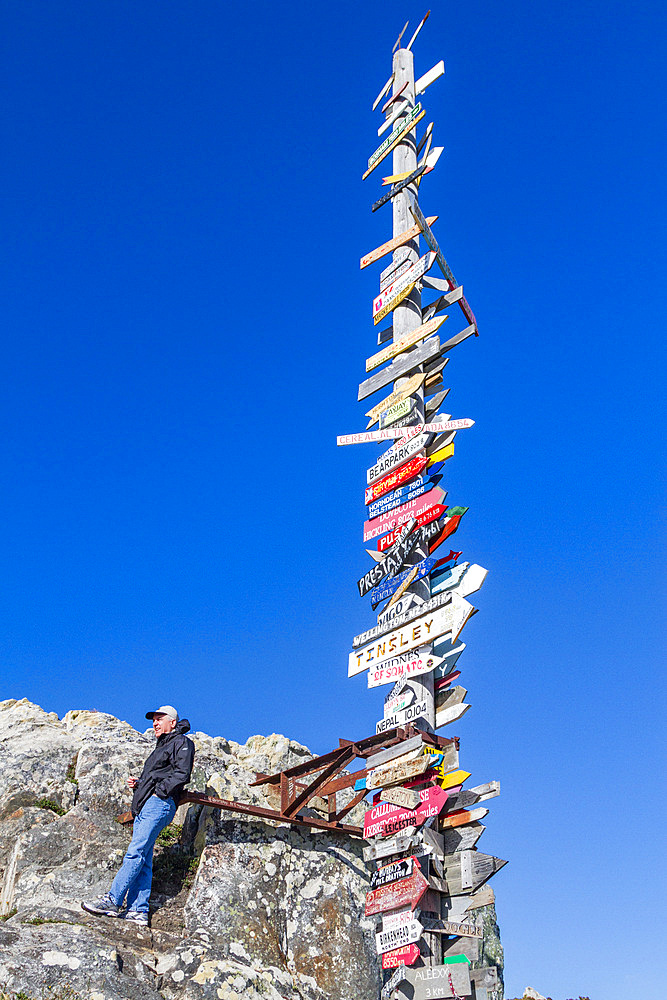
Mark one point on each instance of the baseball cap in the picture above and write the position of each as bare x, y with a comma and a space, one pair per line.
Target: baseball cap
167, 710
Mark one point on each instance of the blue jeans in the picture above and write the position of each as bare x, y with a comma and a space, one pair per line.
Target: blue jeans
136, 872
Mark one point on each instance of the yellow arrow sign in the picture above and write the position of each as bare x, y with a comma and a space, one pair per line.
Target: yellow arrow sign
441, 456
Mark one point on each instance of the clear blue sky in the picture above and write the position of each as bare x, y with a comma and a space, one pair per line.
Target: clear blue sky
185, 325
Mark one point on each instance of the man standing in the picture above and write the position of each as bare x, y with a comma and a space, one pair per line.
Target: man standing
154, 803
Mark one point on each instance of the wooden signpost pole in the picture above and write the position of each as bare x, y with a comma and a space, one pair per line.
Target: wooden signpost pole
421, 825
406, 318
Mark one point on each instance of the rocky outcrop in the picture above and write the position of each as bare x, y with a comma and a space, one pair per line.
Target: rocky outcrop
241, 907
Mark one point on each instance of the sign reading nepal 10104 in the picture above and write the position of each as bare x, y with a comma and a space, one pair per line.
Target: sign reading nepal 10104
419, 827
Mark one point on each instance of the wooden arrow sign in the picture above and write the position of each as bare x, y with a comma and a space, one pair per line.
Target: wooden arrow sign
399, 937
430, 500
397, 456
393, 981
407, 389
384, 848
410, 122
399, 411
394, 774
402, 365
401, 258
394, 244
449, 697
416, 429
396, 478
407, 177
440, 456
407, 798
389, 587
397, 347
438, 982
407, 892
444, 716
426, 517
394, 293
411, 614
462, 838
385, 820
454, 819
404, 665
391, 563
467, 871
402, 494
428, 78
400, 956
410, 714
471, 796
465, 579
394, 871
403, 639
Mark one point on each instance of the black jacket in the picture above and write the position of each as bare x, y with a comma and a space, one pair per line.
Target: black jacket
167, 769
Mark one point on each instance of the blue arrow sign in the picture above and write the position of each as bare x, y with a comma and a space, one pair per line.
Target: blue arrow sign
389, 587
421, 484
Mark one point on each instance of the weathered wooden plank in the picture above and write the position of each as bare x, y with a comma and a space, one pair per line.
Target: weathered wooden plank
410, 122
407, 389
418, 29
462, 838
437, 982
463, 816
394, 97
384, 847
423, 331
384, 90
468, 946
416, 633
398, 796
410, 615
470, 796
450, 697
444, 302
400, 108
394, 243
430, 77
383, 756
401, 365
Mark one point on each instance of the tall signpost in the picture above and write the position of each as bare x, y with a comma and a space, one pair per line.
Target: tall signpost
422, 825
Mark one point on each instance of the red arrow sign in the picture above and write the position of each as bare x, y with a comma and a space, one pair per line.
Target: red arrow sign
407, 892
450, 527
396, 478
386, 819
400, 956
428, 515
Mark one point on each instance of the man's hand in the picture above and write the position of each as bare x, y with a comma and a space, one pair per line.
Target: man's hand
132, 782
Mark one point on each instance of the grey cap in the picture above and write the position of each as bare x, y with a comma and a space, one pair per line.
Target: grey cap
167, 710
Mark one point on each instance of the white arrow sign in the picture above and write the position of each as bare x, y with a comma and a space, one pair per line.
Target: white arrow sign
437, 427
409, 714
399, 937
404, 666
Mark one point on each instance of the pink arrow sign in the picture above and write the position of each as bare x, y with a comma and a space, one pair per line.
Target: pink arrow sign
407, 892
400, 956
399, 515
424, 518
386, 819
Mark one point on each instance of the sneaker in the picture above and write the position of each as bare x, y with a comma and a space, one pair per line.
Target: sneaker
103, 907
137, 917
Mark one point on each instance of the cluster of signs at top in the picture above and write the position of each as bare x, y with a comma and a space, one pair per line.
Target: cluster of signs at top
420, 818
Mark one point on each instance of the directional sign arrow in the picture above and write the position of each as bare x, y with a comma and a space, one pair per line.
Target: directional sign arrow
386, 820
396, 478
407, 389
404, 665
398, 937
402, 495
393, 872
406, 892
400, 956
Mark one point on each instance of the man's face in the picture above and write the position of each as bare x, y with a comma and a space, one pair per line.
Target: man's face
162, 724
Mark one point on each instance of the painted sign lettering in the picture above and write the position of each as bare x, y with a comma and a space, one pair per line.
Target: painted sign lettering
386, 820
404, 666
400, 956
396, 478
